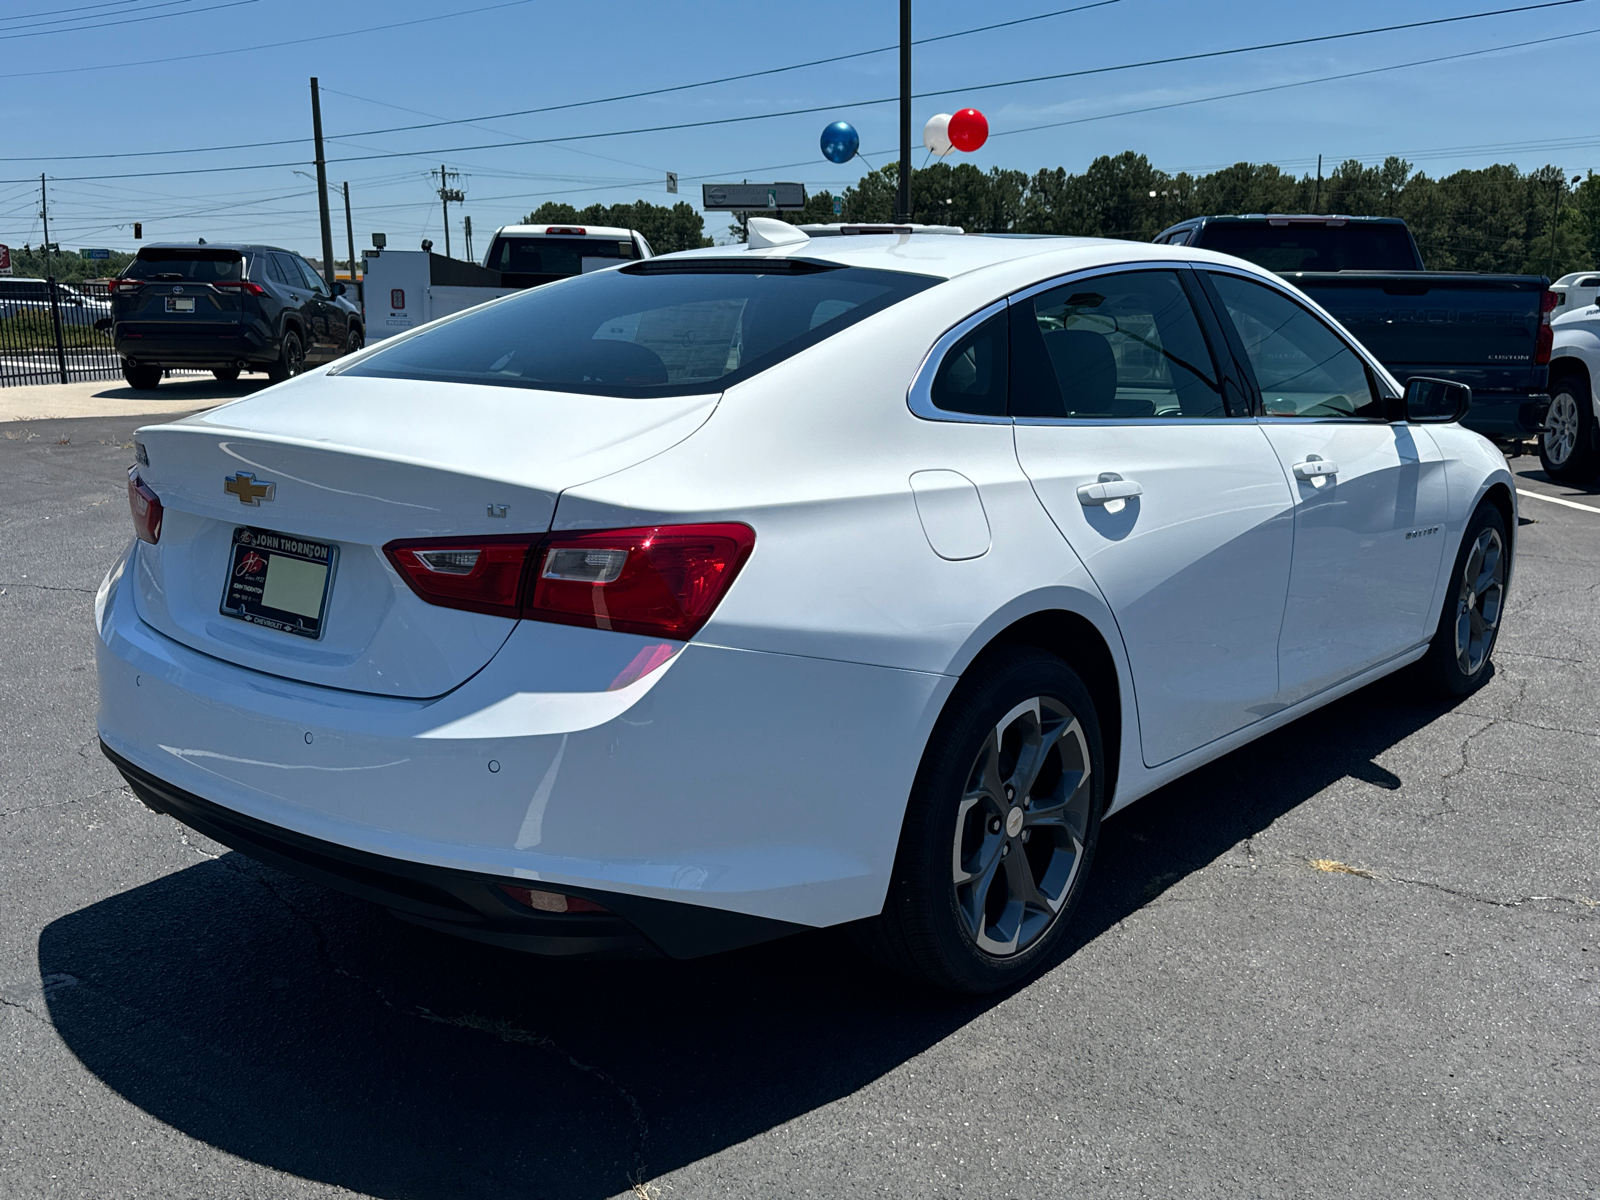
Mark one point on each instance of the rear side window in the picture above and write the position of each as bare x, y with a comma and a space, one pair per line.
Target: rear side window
200, 264
558, 256
658, 328
1122, 345
974, 374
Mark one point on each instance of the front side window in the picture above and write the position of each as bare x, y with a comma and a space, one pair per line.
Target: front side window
1302, 367
1124, 345
661, 327
309, 274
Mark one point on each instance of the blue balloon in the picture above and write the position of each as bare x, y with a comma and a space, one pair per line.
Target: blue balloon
840, 141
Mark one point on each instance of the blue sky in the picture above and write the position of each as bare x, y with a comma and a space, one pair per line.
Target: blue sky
72, 84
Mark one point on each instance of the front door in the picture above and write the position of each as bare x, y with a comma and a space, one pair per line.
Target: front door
1169, 493
1370, 503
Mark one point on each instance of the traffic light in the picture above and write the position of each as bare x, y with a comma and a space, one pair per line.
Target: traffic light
138, 230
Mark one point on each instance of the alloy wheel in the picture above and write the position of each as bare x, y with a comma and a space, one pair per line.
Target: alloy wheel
294, 356
1561, 428
1478, 603
1021, 826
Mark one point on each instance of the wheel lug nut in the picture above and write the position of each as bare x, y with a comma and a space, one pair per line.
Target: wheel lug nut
1026, 834
994, 825
1005, 850
1011, 792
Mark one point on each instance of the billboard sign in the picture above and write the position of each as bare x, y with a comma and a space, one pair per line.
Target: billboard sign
752, 197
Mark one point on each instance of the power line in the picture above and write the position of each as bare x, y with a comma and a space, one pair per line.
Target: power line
76, 8
9, 37
87, 16
321, 37
661, 91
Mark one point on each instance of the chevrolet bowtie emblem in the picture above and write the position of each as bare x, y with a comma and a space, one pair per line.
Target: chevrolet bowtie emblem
243, 485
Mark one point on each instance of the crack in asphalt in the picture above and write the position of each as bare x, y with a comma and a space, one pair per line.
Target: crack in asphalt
45, 587
26, 808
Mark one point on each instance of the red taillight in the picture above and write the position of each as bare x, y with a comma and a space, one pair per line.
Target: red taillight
662, 581
478, 574
1542, 348
124, 285
571, 229
1549, 302
240, 285
555, 902
146, 508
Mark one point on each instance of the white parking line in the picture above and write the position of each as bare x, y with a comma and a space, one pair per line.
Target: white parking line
1558, 500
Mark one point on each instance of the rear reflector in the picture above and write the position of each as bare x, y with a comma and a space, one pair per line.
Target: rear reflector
552, 902
662, 581
481, 575
146, 508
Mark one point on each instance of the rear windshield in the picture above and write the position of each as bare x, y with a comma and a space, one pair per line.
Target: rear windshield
658, 328
199, 264
1353, 247
557, 255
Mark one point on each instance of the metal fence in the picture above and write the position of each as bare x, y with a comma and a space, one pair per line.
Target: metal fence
54, 332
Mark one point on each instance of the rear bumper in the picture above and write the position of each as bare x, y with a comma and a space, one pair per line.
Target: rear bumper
747, 784
464, 903
205, 350
1501, 415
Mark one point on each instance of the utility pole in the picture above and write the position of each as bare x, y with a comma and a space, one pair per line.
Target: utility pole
44, 211
322, 187
447, 194
466, 228
1316, 205
903, 198
1555, 221
350, 241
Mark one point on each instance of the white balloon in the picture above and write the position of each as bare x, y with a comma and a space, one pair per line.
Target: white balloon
936, 134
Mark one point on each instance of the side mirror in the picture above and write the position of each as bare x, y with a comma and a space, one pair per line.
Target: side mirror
338, 289
1436, 401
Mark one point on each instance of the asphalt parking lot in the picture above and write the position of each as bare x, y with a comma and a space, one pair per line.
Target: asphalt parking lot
1360, 957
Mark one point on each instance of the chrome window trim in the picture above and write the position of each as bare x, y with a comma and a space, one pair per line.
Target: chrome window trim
919, 397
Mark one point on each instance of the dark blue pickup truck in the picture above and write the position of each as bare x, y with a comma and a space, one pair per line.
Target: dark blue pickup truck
1491, 332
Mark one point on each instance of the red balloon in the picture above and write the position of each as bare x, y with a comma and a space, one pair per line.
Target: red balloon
968, 130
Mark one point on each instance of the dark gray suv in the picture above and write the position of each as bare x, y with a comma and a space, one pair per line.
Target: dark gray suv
230, 308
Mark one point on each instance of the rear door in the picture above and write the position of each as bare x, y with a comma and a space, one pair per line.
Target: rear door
302, 300
1370, 504
1115, 390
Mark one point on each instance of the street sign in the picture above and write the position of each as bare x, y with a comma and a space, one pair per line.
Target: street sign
95, 253
752, 197
5, 260
672, 183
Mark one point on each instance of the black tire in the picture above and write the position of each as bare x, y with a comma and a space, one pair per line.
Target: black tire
965, 823
291, 358
226, 374
1458, 658
141, 375
354, 341
1567, 448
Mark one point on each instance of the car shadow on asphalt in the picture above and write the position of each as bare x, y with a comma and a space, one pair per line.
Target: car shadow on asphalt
299, 1029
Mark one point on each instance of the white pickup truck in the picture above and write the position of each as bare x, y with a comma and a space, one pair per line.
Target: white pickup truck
406, 288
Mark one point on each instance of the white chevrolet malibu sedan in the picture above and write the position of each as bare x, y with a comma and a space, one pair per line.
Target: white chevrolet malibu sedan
847, 576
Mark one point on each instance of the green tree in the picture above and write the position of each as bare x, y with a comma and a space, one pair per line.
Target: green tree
68, 268
666, 229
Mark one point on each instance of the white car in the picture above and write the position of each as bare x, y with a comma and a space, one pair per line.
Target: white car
19, 295
753, 589
1569, 448
1575, 290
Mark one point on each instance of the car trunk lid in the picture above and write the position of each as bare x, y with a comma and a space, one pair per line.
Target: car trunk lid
330, 469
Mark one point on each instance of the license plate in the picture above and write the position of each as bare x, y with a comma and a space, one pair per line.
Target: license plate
180, 303
277, 580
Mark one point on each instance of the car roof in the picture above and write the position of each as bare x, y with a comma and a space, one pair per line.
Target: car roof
239, 246
947, 257
608, 232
